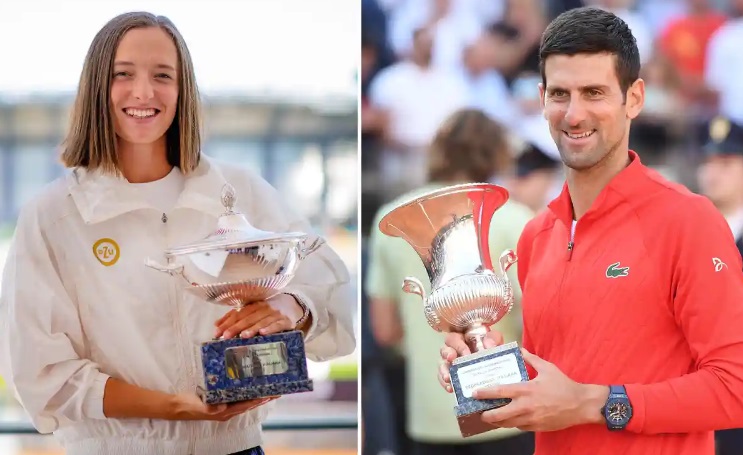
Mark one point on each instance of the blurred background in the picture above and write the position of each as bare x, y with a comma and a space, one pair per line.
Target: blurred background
280, 83
423, 60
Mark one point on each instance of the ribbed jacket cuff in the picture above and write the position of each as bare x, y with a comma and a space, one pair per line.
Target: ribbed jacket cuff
93, 403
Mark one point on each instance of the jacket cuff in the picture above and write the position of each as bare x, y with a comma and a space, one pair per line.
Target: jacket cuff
93, 402
307, 302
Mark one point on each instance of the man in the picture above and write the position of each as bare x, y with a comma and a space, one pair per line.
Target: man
723, 61
469, 147
410, 99
721, 174
631, 284
721, 180
685, 42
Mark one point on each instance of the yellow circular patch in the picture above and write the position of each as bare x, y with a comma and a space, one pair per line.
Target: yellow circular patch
106, 251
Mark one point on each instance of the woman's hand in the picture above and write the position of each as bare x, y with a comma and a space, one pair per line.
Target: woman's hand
277, 314
190, 407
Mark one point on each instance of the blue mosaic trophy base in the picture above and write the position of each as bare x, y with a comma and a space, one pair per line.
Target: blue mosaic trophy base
500, 365
240, 369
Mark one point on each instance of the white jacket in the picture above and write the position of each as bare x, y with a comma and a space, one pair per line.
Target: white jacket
69, 321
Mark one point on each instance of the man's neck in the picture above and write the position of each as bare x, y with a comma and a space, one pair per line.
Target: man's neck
143, 163
421, 62
586, 185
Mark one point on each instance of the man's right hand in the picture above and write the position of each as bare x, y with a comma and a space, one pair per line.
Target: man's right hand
190, 407
455, 346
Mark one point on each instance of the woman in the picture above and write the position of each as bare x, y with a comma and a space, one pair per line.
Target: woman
102, 350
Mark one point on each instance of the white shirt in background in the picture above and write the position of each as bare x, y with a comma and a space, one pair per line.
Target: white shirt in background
724, 67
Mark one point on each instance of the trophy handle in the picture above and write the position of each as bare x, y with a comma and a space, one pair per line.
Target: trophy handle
307, 250
507, 259
413, 285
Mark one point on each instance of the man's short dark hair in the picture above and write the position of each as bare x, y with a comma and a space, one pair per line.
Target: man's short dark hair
590, 30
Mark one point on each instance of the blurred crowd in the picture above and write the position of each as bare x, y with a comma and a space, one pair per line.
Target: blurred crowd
455, 82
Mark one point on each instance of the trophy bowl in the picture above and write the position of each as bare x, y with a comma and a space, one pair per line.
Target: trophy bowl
237, 265
449, 228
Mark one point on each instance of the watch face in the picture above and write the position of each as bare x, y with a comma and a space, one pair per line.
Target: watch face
617, 412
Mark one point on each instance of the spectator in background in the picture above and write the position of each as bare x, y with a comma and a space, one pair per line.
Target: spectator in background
453, 25
372, 125
658, 13
376, 53
537, 179
636, 22
511, 48
725, 65
661, 124
515, 41
488, 89
414, 98
721, 174
684, 43
469, 147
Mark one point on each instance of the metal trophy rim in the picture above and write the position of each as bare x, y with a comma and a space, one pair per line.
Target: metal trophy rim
445, 191
204, 246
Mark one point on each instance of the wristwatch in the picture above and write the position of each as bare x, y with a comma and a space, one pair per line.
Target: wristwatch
618, 410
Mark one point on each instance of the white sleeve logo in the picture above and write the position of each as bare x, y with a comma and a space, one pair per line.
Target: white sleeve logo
718, 264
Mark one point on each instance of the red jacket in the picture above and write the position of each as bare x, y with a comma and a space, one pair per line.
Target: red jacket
650, 296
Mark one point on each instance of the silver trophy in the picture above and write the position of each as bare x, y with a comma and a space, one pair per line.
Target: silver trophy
449, 228
235, 266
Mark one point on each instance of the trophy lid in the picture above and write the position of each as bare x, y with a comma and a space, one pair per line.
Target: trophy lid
233, 231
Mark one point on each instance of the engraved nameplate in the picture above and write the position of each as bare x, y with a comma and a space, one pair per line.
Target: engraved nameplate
503, 369
250, 361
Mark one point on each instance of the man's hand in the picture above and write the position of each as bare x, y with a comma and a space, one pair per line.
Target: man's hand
550, 402
190, 407
455, 346
277, 314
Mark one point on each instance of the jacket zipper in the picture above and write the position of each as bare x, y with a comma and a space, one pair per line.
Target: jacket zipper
178, 326
571, 242
565, 269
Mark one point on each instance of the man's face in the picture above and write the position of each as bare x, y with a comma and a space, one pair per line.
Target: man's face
423, 44
721, 178
586, 109
477, 56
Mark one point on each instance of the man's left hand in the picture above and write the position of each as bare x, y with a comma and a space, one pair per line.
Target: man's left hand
277, 314
549, 402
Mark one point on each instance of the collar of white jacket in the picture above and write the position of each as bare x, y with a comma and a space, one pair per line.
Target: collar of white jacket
100, 197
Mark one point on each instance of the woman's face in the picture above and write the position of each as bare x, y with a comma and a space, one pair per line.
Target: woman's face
144, 89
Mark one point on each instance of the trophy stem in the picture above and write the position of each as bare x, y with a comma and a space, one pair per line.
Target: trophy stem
475, 337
